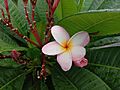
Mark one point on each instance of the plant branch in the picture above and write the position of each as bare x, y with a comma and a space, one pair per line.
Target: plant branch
52, 5
7, 9
33, 29
15, 30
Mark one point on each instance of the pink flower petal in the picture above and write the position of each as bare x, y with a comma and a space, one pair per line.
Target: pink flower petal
81, 38
60, 35
65, 60
52, 48
81, 63
78, 52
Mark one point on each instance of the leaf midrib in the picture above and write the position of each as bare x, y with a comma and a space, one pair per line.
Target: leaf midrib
1, 88
106, 66
102, 21
76, 88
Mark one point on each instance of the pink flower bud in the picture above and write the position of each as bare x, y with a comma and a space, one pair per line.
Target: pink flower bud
15, 55
81, 63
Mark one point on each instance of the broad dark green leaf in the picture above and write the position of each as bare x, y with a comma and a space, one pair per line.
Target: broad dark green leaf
108, 41
17, 18
65, 8
4, 37
7, 44
105, 23
77, 79
8, 63
70, 7
34, 83
100, 4
11, 79
105, 63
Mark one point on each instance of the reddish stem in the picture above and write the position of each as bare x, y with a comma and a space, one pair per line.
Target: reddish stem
33, 30
55, 4
43, 71
3, 15
5, 56
50, 21
8, 24
7, 8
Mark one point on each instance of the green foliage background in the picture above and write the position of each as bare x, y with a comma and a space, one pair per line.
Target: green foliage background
103, 71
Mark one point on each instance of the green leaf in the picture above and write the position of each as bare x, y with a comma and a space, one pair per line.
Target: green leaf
108, 41
105, 63
4, 37
105, 23
34, 83
7, 31
8, 63
11, 79
65, 8
70, 7
17, 18
7, 44
77, 79
100, 4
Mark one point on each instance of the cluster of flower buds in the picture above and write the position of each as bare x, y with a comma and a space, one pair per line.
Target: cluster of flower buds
16, 56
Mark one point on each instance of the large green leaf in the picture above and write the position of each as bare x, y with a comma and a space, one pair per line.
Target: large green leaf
11, 79
69, 7
65, 8
7, 44
4, 37
105, 63
17, 18
100, 4
7, 31
109, 41
7, 47
77, 79
104, 23
8, 63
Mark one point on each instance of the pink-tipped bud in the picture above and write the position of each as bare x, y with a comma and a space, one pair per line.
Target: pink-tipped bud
15, 55
81, 63
55, 4
33, 2
25, 2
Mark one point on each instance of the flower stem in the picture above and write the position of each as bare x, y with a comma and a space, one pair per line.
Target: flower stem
33, 29
15, 30
3, 15
5, 56
7, 9
50, 23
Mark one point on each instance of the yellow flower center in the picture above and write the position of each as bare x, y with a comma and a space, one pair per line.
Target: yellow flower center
67, 46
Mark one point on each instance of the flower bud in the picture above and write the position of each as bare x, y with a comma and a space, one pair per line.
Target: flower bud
25, 2
15, 55
81, 63
33, 2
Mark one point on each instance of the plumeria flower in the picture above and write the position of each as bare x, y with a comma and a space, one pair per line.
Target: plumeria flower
67, 49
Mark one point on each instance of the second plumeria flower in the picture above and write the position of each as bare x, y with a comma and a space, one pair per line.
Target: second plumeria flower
67, 49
